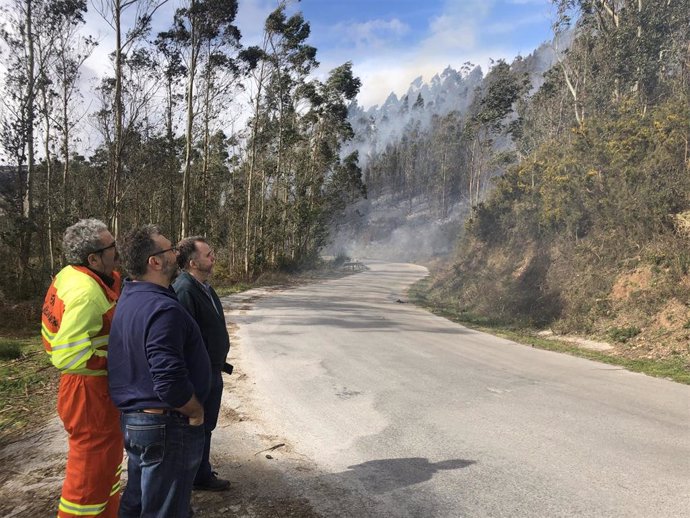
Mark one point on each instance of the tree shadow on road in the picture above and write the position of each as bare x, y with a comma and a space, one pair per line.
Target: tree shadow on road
381, 476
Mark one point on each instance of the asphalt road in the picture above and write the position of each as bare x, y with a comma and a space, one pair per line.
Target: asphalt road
405, 414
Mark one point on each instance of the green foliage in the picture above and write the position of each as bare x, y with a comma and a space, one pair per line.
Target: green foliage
504, 88
9, 350
617, 180
623, 334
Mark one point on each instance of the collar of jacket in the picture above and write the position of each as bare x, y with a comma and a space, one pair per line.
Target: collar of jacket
113, 293
109, 281
185, 274
132, 286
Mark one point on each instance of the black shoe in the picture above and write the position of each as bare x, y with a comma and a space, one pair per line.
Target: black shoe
213, 483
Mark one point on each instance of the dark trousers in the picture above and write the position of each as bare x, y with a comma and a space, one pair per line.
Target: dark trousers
211, 410
163, 455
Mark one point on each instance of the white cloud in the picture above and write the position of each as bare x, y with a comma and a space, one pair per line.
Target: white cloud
457, 28
448, 32
251, 17
373, 33
510, 26
452, 38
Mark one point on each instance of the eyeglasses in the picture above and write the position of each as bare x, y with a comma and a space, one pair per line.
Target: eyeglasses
101, 250
172, 249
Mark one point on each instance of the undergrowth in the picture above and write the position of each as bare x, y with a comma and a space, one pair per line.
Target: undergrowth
28, 385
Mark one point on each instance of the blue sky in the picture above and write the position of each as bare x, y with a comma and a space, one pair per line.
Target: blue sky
391, 42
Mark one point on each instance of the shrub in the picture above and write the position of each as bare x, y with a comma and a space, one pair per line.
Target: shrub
10, 350
623, 334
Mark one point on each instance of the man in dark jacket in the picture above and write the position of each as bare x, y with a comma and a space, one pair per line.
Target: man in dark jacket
196, 258
159, 379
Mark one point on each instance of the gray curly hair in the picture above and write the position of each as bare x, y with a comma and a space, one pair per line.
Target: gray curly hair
82, 239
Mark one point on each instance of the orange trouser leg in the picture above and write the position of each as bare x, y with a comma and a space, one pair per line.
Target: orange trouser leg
94, 461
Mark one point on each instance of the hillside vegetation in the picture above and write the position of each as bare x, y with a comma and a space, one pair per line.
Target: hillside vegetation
588, 231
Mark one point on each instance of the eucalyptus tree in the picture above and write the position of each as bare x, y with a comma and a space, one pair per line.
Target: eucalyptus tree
630, 45
411, 153
72, 50
259, 75
489, 112
344, 186
327, 127
282, 64
59, 54
113, 12
291, 60
144, 121
171, 70
206, 39
19, 121
216, 92
444, 148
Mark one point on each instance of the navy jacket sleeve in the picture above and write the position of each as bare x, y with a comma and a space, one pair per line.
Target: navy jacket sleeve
165, 354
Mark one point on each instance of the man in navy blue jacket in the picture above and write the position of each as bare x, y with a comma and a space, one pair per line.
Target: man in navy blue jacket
197, 258
159, 374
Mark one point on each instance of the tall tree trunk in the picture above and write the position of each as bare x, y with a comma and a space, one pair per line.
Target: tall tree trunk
444, 174
30, 101
252, 166
170, 140
186, 175
207, 141
207, 152
27, 192
65, 148
49, 178
119, 123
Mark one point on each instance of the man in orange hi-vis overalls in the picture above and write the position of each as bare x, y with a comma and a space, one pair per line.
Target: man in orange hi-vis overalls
77, 312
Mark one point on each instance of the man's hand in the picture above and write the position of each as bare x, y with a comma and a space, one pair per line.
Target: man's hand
194, 410
196, 421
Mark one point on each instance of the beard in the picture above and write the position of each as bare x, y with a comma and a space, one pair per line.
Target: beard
208, 270
171, 270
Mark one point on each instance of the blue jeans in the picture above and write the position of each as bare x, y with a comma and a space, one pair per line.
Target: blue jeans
163, 453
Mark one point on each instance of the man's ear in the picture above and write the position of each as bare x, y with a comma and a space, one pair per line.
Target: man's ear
155, 262
92, 260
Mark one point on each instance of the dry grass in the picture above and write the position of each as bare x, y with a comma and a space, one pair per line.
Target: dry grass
28, 387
